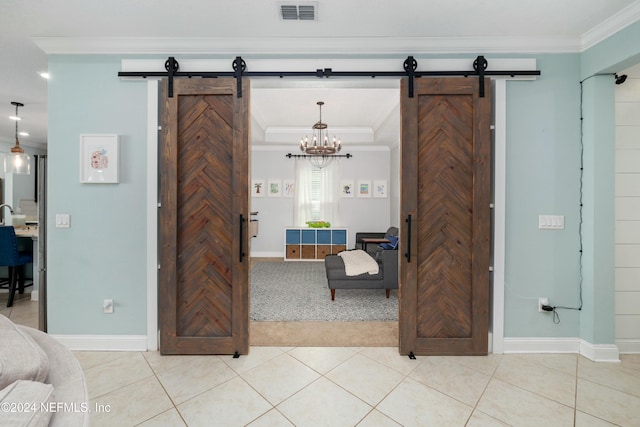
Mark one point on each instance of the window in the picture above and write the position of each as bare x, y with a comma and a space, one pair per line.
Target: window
315, 193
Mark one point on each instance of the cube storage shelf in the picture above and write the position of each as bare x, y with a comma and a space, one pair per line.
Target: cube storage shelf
313, 243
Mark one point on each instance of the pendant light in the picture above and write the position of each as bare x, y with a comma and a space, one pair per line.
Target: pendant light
17, 161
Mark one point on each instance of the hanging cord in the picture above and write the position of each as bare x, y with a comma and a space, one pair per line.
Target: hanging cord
556, 316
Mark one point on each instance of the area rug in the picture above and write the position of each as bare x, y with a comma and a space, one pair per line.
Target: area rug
298, 291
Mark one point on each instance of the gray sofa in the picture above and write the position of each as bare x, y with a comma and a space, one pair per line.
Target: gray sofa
387, 277
41, 381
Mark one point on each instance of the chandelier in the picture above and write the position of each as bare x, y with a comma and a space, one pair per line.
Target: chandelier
17, 161
320, 152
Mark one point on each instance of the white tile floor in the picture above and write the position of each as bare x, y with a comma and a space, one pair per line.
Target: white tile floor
367, 386
339, 386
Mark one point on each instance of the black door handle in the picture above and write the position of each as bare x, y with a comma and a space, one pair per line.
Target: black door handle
408, 253
241, 237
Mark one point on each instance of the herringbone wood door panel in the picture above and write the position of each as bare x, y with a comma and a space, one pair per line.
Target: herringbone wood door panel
446, 175
445, 164
204, 176
205, 207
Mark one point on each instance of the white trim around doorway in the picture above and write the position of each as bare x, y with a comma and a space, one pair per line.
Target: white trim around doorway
152, 215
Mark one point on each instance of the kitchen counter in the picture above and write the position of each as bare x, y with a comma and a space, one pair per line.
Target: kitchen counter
29, 231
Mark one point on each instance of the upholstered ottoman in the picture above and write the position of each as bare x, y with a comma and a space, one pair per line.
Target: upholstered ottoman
337, 277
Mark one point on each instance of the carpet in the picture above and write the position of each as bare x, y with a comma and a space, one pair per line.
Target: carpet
298, 291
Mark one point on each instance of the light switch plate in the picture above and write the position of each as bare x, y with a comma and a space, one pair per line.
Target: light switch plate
63, 220
551, 222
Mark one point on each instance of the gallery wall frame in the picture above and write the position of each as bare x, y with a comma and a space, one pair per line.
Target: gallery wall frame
346, 188
380, 188
258, 188
288, 188
99, 158
274, 188
364, 188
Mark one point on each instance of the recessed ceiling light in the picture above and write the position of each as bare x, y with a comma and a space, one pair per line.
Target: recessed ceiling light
44, 75
15, 118
23, 133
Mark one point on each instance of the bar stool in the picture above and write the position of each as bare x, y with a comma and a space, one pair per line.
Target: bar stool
15, 260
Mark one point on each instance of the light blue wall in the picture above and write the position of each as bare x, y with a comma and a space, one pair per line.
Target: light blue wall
543, 162
103, 254
597, 320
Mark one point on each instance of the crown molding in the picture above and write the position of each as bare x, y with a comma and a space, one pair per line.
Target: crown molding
627, 16
354, 135
356, 46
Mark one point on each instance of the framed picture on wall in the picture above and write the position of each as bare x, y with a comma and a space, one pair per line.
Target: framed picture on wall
288, 188
380, 188
346, 188
99, 159
274, 188
258, 188
364, 188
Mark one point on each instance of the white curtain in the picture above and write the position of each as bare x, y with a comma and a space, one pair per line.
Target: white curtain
329, 205
302, 205
327, 192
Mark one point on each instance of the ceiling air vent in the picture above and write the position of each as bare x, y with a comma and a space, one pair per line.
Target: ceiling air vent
307, 11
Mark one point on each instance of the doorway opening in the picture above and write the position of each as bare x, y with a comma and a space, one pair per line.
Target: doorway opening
365, 115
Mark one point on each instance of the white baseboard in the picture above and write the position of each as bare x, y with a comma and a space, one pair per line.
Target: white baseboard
541, 345
600, 352
34, 295
103, 342
595, 352
628, 346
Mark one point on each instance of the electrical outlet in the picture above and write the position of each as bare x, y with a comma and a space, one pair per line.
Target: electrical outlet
107, 306
542, 301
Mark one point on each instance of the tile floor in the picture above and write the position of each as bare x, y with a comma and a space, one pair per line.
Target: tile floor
23, 312
364, 386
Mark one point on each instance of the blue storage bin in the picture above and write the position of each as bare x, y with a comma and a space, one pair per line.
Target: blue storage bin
324, 237
308, 237
292, 237
339, 237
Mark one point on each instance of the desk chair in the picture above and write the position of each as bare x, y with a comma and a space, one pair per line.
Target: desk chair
372, 247
15, 260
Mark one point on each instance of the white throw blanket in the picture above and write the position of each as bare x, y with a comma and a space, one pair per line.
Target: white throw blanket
358, 262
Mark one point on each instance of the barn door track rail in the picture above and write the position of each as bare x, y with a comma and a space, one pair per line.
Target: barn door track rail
410, 67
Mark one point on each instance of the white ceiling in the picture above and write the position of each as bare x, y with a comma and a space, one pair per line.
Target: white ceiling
28, 28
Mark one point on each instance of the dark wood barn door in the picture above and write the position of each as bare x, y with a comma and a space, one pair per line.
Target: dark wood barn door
204, 193
445, 206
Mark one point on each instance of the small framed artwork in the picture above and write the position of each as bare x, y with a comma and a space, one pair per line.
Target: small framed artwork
346, 188
274, 188
288, 188
380, 188
364, 188
99, 159
258, 188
